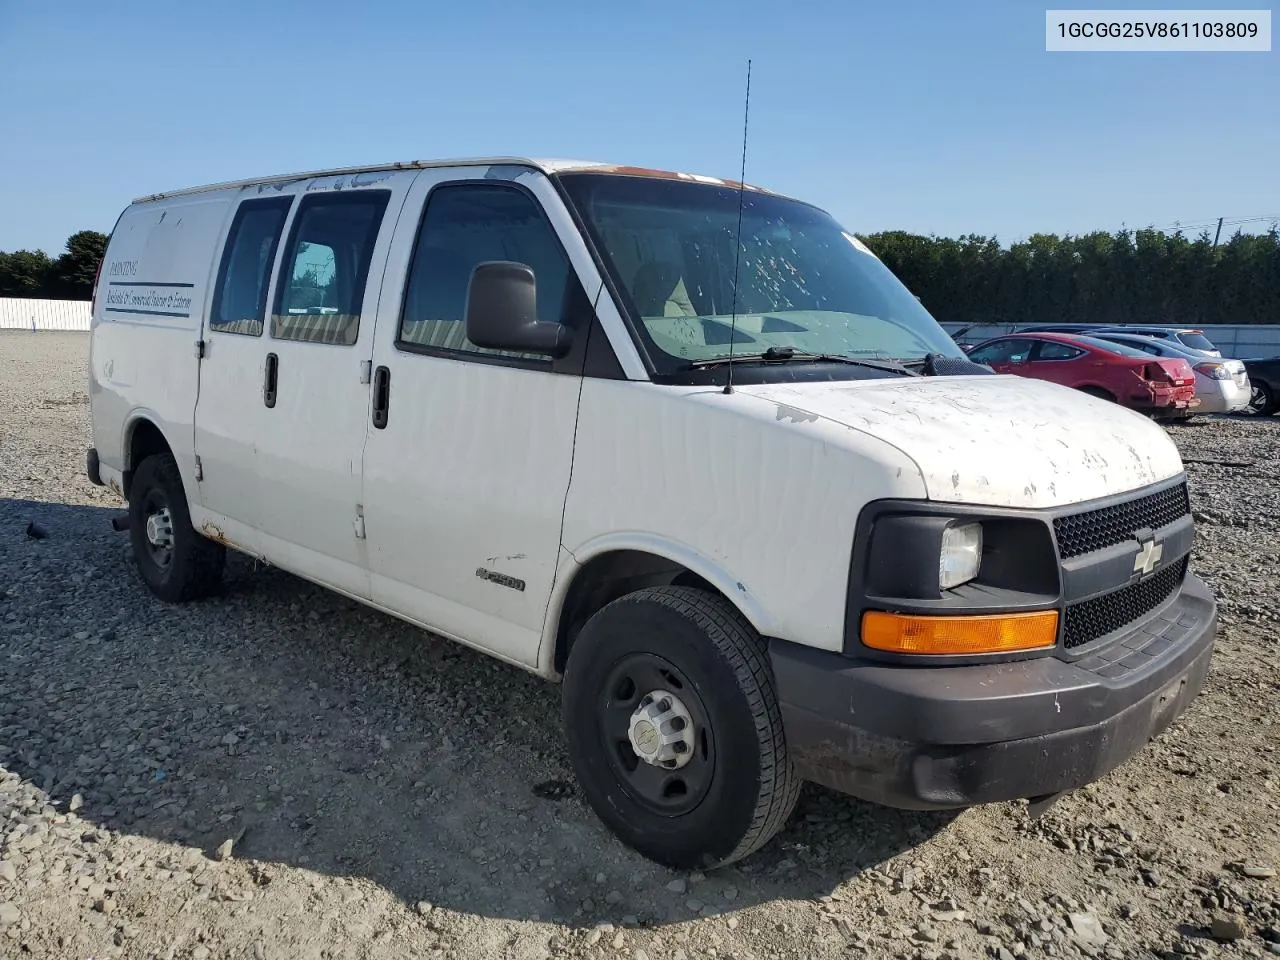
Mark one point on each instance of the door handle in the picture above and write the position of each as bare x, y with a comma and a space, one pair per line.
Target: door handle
381, 397
269, 382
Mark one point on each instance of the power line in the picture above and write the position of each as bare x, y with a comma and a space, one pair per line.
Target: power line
1206, 224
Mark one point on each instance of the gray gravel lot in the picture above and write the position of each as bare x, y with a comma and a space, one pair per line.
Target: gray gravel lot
280, 772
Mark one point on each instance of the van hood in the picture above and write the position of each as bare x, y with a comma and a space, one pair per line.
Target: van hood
1001, 441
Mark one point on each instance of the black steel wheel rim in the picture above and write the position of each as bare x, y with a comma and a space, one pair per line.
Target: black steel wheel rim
154, 503
666, 792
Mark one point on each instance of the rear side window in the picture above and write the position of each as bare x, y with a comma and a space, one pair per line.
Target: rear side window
326, 267
465, 225
1196, 341
240, 299
1152, 348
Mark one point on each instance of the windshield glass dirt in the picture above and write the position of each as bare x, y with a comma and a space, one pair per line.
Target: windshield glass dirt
803, 281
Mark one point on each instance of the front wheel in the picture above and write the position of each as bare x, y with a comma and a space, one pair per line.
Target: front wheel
175, 561
674, 729
1262, 402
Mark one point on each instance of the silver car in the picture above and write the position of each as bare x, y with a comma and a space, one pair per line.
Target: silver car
1222, 385
1188, 338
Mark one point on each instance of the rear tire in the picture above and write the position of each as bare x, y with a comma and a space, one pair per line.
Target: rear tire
176, 563
1099, 393
737, 787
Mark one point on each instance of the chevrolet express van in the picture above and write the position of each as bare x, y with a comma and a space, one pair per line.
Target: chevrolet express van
493, 398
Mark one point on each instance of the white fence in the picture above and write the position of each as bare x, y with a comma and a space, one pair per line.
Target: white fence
1244, 341
44, 314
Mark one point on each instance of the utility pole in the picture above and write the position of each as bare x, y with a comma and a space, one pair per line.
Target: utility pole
1218, 234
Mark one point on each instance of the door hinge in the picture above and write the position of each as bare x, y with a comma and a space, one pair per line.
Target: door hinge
202, 349
366, 371
359, 522
199, 469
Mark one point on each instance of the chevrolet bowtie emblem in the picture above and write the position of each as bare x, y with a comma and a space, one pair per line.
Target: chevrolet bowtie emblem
1148, 557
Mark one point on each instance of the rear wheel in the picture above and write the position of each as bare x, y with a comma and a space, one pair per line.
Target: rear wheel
674, 729
1263, 400
175, 561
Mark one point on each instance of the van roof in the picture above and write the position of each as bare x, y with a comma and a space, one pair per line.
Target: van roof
547, 166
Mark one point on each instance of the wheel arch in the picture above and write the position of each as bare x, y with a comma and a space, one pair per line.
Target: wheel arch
1097, 390
615, 565
143, 437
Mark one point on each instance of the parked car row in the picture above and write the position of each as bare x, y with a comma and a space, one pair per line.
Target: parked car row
1162, 387
1115, 362
1188, 337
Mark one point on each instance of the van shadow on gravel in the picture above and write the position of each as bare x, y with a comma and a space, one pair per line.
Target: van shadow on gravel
313, 732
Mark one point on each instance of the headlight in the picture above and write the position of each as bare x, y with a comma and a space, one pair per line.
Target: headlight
961, 555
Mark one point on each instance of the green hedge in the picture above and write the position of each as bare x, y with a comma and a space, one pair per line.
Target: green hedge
1143, 276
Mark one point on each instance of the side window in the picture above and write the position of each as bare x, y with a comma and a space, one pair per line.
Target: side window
465, 225
997, 352
326, 266
1020, 351
240, 297
1050, 350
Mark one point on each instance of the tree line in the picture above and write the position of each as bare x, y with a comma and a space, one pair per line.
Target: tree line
34, 274
1130, 276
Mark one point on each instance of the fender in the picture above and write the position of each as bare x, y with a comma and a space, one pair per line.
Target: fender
572, 561
135, 417
183, 455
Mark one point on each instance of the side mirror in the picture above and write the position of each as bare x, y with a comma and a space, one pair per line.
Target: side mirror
502, 312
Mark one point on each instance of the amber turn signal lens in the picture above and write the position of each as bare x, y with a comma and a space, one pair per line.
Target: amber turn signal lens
958, 636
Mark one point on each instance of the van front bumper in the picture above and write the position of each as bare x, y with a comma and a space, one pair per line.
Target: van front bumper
948, 737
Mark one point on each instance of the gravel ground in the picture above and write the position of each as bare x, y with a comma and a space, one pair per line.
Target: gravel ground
282, 773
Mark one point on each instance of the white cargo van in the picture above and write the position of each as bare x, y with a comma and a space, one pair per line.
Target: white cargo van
491, 398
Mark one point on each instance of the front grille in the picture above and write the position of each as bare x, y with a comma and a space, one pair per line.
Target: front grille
1092, 530
1088, 620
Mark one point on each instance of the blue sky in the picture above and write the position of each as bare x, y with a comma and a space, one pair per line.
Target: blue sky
933, 117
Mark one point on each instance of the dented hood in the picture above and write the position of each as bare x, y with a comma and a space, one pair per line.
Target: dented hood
993, 440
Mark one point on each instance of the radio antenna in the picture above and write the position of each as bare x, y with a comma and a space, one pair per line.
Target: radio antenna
737, 240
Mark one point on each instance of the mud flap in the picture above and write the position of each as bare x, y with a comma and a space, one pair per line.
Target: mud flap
1038, 805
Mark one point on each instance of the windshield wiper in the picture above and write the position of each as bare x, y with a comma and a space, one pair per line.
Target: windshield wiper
785, 354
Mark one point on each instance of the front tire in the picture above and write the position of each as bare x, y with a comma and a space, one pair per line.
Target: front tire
1263, 402
176, 563
678, 676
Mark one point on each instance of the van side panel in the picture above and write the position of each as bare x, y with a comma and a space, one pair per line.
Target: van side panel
152, 294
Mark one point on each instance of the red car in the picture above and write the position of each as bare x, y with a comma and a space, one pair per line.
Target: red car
1154, 385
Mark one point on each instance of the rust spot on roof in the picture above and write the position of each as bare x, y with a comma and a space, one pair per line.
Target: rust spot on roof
671, 175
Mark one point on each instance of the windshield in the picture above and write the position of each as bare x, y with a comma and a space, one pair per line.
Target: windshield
803, 281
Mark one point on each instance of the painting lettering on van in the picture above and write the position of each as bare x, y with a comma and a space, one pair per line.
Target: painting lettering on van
150, 299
